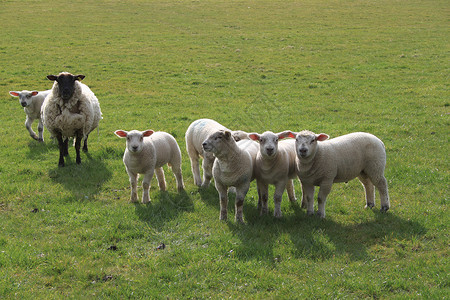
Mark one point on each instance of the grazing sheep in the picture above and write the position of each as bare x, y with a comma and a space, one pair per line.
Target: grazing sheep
233, 167
321, 163
196, 134
70, 110
275, 164
146, 153
31, 102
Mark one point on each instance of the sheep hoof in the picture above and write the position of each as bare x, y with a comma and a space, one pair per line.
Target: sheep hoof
384, 208
310, 213
369, 205
320, 215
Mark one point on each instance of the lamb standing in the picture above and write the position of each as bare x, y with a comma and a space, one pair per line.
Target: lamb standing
70, 110
146, 153
197, 132
31, 102
275, 164
233, 167
321, 163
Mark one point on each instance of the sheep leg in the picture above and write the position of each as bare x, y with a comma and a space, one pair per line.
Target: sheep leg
308, 196
195, 170
263, 196
382, 187
304, 200
176, 169
223, 197
161, 179
277, 197
41, 130
78, 139
207, 164
369, 188
146, 185
28, 123
62, 149
239, 203
85, 146
325, 189
133, 183
290, 190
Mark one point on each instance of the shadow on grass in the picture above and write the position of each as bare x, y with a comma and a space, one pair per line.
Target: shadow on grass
164, 207
314, 238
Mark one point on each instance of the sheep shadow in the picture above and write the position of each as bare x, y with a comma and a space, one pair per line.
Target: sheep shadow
82, 180
315, 238
163, 207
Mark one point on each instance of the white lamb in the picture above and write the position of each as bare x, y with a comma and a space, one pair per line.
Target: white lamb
146, 153
233, 167
321, 162
31, 102
197, 132
275, 164
70, 110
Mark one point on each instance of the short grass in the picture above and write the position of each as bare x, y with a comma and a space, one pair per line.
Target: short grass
328, 66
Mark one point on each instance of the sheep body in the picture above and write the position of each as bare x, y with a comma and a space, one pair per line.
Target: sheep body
146, 153
321, 162
31, 102
197, 132
275, 164
233, 167
70, 110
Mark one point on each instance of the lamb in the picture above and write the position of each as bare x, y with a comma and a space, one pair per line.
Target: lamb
70, 110
233, 167
321, 163
31, 102
146, 153
197, 132
275, 164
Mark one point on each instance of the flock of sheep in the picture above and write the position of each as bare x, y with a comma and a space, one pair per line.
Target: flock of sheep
232, 158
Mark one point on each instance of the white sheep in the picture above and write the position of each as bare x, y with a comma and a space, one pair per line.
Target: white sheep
197, 132
233, 167
321, 162
275, 164
70, 110
146, 153
31, 102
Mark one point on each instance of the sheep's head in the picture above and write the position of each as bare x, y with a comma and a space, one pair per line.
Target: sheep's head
306, 143
268, 141
135, 138
66, 84
217, 141
25, 97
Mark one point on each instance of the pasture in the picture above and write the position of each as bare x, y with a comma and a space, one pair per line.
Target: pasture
328, 66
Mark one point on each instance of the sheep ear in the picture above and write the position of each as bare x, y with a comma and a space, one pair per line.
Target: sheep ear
291, 134
227, 134
254, 136
52, 77
284, 134
121, 133
14, 94
79, 77
147, 132
322, 136
34, 93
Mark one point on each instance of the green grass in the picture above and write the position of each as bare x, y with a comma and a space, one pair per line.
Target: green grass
328, 66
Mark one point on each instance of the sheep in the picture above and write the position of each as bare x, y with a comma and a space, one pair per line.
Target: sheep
70, 110
321, 162
275, 164
31, 102
196, 134
147, 152
233, 167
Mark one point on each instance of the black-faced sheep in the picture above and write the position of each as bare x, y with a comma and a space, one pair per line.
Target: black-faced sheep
70, 110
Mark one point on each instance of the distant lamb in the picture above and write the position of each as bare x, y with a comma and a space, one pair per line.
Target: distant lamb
321, 163
275, 164
70, 110
197, 132
146, 153
233, 167
31, 102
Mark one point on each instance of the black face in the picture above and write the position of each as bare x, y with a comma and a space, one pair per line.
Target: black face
66, 83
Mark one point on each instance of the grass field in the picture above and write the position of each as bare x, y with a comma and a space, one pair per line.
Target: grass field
328, 66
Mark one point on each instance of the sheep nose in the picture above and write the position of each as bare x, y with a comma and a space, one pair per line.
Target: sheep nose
24, 104
303, 151
134, 148
270, 150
